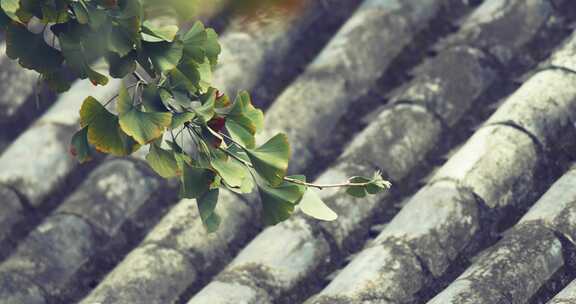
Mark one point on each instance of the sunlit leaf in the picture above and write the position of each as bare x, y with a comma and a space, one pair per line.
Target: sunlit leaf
164, 56
144, 127
244, 120
200, 43
104, 131
162, 161
232, 172
312, 205
271, 159
155, 33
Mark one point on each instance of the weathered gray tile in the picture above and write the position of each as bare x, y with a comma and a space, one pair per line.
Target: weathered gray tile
51, 253
545, 106
253, 52
394, 141
16, 289
111, 194
498, 163
437, 223
564, 56
504, 27
181, 230
364, 281
280, 265
11, 211
38, 160
509, 272
236, 294
135, 280
556, 209
450, 83
352, 62
566, 296
16, 85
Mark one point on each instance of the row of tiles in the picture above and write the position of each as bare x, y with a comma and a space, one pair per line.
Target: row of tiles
416, 146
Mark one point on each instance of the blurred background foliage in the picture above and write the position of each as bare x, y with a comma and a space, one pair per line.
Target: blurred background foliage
187, 11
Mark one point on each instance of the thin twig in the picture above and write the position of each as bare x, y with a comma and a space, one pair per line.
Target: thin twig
292, 180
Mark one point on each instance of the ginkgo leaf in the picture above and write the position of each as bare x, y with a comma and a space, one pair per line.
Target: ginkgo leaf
271, 159
152, 99
77, 54
194, 181
162, 162
278, 202
240, 134
164, 56
200, 42
120, 66
312, 205
155, 33
178, 119
232, 172
79, 146
144, 127
31, 50
207, 208
104, 131
244, 120
206, 110
245, 114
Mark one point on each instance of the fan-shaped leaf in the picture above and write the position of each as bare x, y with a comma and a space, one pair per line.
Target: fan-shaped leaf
312, 205
195, 181
278, 202
162, 162
271, 159
207, 209
144, 127
164, 56
31, 50
104, 131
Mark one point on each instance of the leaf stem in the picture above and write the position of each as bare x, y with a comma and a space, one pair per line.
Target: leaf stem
323, 186
292, 180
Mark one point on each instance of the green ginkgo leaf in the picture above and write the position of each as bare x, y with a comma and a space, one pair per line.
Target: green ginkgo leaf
77, 54
164, 56
312, 205
271, 159
244, 120
162, 161
206, 110
155, 33
31, 50
120, 66
194, 181
104, 132
232, 172
79, 146
207, 208
200, 43
245, 114
144, 127
278, 202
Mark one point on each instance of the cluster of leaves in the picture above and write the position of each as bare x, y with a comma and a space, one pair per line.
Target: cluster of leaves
193, 132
